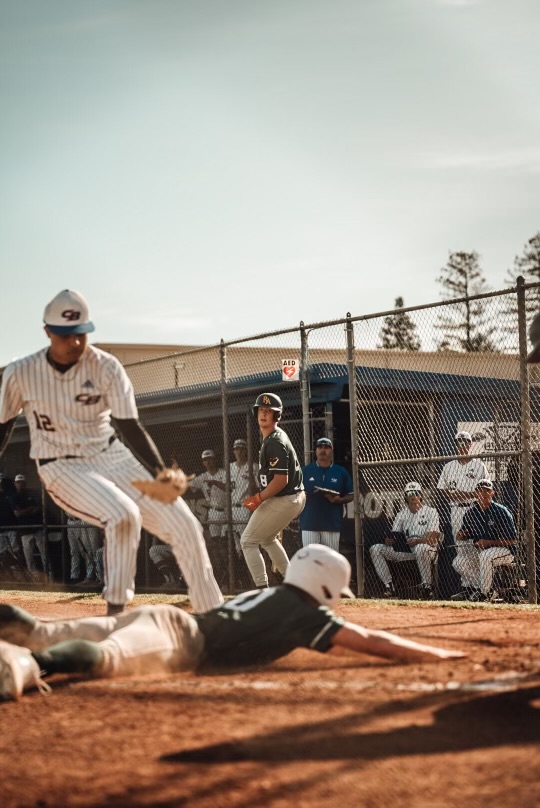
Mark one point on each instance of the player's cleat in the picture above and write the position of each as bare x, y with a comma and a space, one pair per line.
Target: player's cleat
477, 596
389, 591
88, 583
426, 592
19, 671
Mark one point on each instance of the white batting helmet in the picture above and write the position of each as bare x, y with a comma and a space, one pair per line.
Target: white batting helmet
321, 572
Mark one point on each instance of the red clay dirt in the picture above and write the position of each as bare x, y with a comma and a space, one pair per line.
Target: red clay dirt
309, 730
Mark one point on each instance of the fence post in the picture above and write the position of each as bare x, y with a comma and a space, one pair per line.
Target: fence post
526, 456
304, 387
227, 464
358, 538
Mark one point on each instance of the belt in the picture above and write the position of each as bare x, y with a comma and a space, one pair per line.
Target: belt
462, 504
44, 460
221, 510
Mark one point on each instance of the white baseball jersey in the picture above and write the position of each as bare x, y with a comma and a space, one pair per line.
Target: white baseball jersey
240, 482
457, 476
67, 413
215, 497
416, 525
89, 475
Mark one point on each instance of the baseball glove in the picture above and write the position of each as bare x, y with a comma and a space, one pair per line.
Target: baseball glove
168, 485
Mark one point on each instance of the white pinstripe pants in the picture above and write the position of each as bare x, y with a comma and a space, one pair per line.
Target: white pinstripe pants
99, 491
329, 538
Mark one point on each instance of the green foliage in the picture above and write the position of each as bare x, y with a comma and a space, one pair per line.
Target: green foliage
464, 324
399, 331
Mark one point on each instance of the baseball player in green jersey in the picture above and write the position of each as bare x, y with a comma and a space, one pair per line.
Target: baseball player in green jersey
282, 497
254, 628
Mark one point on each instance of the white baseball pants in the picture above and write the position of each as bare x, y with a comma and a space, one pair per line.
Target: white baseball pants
150, 639
423, 554
99, 491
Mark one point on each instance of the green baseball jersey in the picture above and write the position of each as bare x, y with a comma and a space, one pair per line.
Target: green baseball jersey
259, 626
277, 456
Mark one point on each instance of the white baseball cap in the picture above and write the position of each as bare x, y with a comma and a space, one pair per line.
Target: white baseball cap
485, 483
20, 478
208, 453
67, 313
240, 443
321, 572
413, 489
463, 435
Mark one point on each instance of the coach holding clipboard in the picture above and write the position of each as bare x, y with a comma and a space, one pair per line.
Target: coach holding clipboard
328, 488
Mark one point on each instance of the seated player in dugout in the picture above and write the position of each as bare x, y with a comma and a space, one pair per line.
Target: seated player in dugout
489, 538
415, 536
254, 628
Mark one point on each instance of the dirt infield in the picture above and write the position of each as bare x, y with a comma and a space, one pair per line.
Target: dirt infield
309, 730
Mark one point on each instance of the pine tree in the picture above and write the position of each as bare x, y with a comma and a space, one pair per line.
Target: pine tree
464, 324
528, 265
399, 331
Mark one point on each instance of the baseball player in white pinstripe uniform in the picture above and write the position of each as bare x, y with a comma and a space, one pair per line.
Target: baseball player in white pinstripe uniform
68, 393
418, 526
458, 481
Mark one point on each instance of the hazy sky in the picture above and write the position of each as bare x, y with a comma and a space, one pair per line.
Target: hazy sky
203, 169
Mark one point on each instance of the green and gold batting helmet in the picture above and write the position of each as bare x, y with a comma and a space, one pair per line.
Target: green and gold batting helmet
269, 400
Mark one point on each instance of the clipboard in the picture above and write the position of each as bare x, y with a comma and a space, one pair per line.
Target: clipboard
326, 490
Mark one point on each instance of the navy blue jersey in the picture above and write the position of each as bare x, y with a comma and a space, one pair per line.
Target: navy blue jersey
7, 507
277, 456
494, 523
319, 513
259, 626
23, 500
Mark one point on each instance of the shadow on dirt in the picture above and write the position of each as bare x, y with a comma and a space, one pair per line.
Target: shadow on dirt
484, 722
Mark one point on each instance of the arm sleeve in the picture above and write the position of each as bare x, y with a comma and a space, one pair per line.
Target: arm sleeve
398, 523
120, 396
509, 528
140, 443
11, 400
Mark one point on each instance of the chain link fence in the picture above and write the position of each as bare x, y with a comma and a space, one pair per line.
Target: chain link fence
392, 414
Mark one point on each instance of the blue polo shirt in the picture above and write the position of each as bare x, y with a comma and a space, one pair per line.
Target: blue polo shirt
319, 513
494, 523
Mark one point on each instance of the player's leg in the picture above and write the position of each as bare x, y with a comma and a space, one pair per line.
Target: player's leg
174, 524
87, 494
262, 530
177, 526
330, 539
161, 639
424, 555
28, 547
311, 537
284, 510
489, 559
21, 628
75, 551
377, 553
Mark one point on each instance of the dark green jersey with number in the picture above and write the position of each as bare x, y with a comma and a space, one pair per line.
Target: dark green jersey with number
257, 627
277, 456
